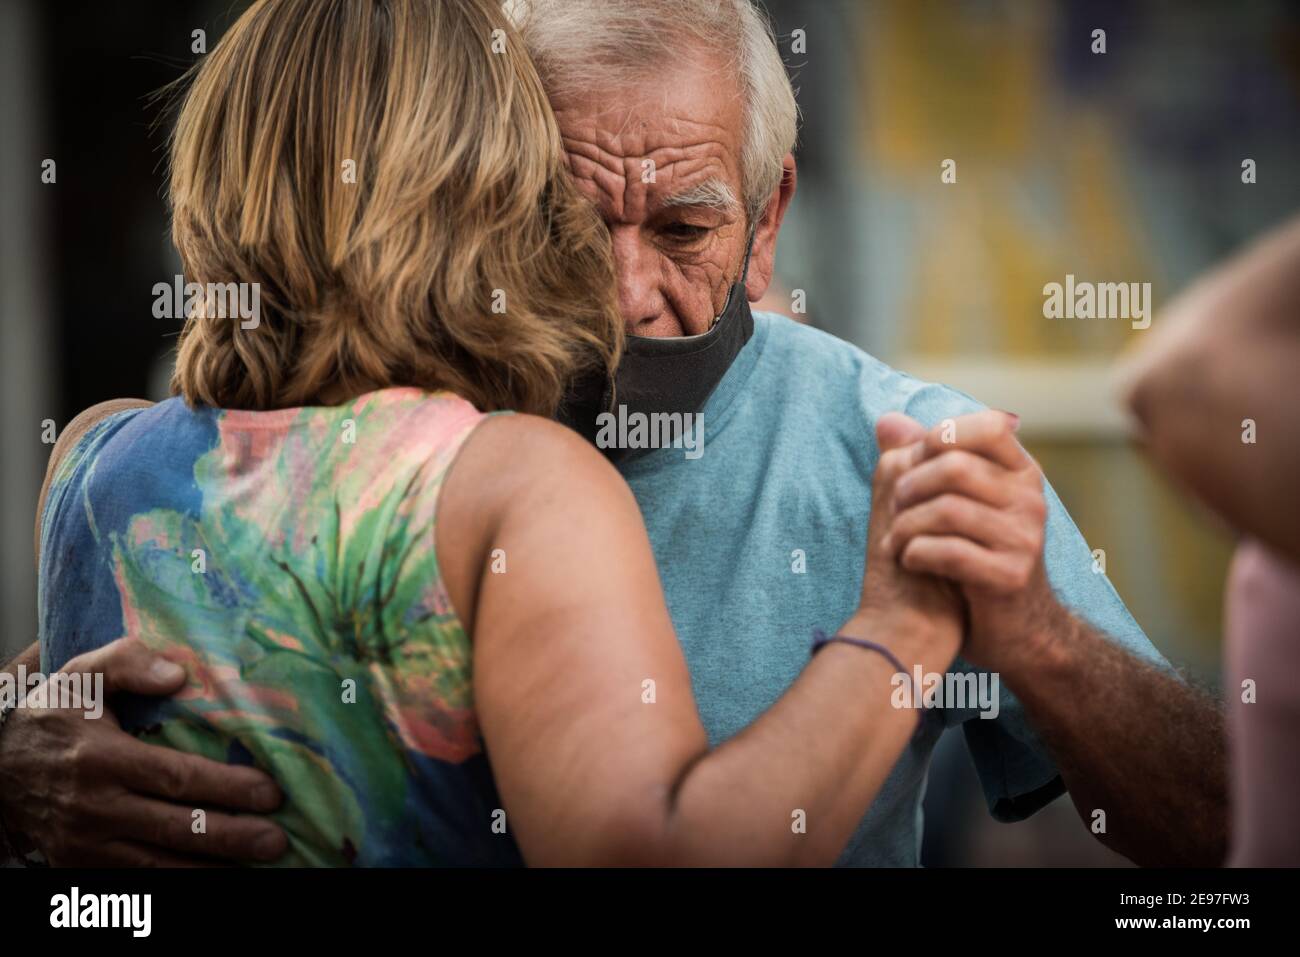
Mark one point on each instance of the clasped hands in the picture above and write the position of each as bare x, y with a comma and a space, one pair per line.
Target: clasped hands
965, 503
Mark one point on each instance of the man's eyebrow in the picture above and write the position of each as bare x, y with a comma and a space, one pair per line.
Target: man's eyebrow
712, 193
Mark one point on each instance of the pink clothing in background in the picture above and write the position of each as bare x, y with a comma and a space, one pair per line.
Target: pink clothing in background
1262, 644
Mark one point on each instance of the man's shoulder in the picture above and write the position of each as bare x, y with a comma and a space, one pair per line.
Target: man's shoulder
833, 372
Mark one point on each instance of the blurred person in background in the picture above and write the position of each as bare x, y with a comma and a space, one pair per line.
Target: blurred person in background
1216, 393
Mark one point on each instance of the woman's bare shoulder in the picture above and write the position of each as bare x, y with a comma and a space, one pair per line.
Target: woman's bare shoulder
518, 478
527, 451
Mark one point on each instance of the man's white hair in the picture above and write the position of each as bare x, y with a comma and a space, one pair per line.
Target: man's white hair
583, 45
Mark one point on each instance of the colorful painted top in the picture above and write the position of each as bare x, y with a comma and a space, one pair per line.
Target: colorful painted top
287, 559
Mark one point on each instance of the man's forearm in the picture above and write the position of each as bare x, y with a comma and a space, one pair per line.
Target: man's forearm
1133, 742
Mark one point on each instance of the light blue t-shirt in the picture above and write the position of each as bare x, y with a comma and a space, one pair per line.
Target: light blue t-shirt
789, 451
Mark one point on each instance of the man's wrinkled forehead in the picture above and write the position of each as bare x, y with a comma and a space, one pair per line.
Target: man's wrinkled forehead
644, 145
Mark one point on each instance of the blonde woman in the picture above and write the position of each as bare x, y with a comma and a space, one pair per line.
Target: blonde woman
372, 579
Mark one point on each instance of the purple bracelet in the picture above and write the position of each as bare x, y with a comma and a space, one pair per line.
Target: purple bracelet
821, 640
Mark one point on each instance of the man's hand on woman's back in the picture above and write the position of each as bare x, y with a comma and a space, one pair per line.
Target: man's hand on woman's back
85, 792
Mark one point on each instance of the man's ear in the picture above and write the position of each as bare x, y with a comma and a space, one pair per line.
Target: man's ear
762, 259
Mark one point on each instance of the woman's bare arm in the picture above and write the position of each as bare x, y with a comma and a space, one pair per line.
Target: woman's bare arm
590, 768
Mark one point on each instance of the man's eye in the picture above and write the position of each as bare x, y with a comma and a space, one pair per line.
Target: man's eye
684, 232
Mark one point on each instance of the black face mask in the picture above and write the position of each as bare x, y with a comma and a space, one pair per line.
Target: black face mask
671, 374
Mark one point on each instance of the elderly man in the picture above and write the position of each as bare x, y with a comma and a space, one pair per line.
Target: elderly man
679, 121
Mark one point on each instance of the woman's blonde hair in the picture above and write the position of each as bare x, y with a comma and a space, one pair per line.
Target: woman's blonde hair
390, 174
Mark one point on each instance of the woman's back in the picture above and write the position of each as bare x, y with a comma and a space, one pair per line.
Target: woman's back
288, 559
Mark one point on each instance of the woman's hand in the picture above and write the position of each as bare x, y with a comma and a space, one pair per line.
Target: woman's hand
917, 616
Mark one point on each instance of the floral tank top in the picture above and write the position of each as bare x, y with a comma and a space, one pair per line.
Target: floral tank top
287, 559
